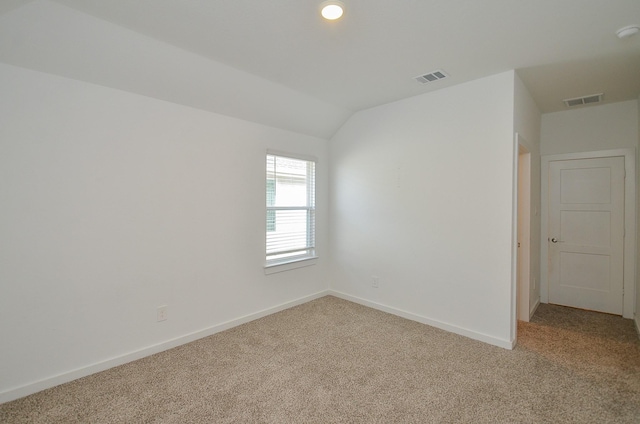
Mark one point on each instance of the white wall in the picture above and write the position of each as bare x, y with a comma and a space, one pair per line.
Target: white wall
421, 197
592, 128
113, 204
527, 121
637, 309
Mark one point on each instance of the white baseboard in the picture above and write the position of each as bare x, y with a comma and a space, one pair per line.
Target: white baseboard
637, 321
534, 309
65, 377
506, 344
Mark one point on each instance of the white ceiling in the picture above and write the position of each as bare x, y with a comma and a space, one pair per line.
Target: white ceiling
561, 49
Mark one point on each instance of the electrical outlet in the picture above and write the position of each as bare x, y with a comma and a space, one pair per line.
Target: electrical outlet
375, 282
162, 313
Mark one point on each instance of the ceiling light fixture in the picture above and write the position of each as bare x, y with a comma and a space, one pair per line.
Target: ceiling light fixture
332, 10
628, 31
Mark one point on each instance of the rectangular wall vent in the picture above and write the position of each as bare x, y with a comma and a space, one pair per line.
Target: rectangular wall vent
585, 100
432, 76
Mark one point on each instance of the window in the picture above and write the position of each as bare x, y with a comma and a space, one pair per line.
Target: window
291, 209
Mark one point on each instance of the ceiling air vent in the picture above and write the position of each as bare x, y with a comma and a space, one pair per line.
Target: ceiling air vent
432, 76
585, 100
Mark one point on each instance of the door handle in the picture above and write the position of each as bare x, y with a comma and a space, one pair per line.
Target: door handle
554, 240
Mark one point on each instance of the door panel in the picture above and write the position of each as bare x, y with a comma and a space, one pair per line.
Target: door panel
586, 233
585, 186
588, 228
584, 271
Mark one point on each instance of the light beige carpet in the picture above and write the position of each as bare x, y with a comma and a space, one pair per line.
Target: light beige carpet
332, 361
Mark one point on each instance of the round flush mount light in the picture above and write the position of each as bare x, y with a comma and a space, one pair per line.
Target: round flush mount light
332, 10
628, 31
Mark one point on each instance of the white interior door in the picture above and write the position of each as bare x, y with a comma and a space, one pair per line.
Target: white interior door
586, 233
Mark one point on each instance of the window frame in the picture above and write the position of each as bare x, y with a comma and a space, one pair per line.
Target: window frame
284, 264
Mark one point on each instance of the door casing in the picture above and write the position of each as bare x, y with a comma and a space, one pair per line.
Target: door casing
523, 272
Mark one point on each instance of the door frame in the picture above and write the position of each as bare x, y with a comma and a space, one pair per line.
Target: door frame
629, 270
523, 273
518, 142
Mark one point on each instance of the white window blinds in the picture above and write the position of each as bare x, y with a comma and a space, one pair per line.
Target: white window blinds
290, 209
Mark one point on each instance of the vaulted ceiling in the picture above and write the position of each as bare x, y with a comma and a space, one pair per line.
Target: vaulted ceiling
277, 62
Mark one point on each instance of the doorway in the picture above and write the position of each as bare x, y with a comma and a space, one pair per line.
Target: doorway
523, 270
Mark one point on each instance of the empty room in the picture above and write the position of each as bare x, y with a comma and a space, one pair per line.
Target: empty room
354, 211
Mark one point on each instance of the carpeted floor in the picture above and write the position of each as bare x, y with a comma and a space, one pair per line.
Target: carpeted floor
333, 361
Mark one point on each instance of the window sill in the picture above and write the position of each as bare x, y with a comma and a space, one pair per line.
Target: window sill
289, 265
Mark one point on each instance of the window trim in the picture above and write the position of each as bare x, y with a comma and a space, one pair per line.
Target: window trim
290, 264
301, 261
